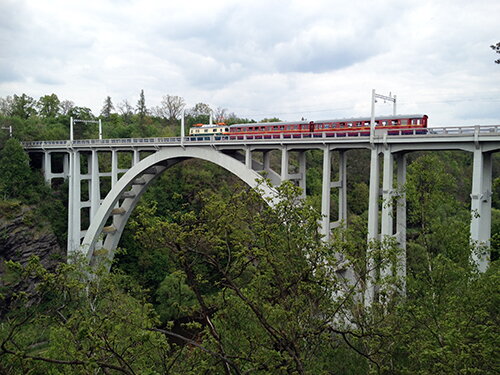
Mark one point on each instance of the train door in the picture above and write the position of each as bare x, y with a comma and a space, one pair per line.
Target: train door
311, 126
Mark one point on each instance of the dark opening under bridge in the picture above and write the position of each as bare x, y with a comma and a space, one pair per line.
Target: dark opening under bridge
108, 212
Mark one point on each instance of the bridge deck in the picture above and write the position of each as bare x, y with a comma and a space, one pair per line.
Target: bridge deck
435, 138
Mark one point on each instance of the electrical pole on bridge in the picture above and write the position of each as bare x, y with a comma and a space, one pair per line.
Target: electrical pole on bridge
73, 121
385, 98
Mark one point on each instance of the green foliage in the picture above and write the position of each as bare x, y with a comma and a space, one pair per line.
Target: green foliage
107, 107
20, 183
23, 106
48, 106
79, 322
262, 279
16, 178
175, 299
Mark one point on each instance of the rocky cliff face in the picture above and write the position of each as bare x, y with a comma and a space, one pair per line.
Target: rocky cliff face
22, 235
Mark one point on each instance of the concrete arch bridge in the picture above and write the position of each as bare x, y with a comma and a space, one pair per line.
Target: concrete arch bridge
107, 212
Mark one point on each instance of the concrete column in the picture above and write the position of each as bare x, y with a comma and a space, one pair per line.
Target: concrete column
372, 225
387, 193
47, 167
66, 165
302, 172
342, 187
248, 157
387, 231
401, 222
480, 227
94, 193
284, 163
136, 158
325, 193
74, 199
266, 160
114, 178
114, 167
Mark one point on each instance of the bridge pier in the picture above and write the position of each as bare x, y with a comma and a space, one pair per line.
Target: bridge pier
480, 226
327, 225
74, 203
393, 206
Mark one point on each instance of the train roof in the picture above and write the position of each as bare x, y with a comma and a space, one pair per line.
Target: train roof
212, 126
349, 119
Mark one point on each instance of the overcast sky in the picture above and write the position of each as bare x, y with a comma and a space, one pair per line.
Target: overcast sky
316, 59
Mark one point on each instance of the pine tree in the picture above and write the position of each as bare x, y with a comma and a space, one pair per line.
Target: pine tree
107, 108
142, 111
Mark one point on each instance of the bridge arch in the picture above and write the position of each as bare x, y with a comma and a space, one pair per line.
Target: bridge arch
125, 194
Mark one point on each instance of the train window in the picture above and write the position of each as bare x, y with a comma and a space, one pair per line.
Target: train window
226, 129
206, 130
394, 122
349, 124
404, 122
384, 123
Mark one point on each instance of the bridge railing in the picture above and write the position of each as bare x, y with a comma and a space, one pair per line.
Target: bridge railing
431, 132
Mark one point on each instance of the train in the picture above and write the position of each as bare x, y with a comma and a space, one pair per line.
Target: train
400, 124
209, 129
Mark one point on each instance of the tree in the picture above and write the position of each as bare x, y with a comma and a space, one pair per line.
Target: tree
200, 109
272, 119
496, 48
107, 108
172, 106
16, 179
199, 114
262, 278
141, 109
23, 106
73, 324
66, 106
220, 115
126, 111
48, 106
6, 105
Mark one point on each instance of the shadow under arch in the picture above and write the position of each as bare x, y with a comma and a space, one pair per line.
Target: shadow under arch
125, 194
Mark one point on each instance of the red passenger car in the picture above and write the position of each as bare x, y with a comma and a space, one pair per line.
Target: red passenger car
402, 124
